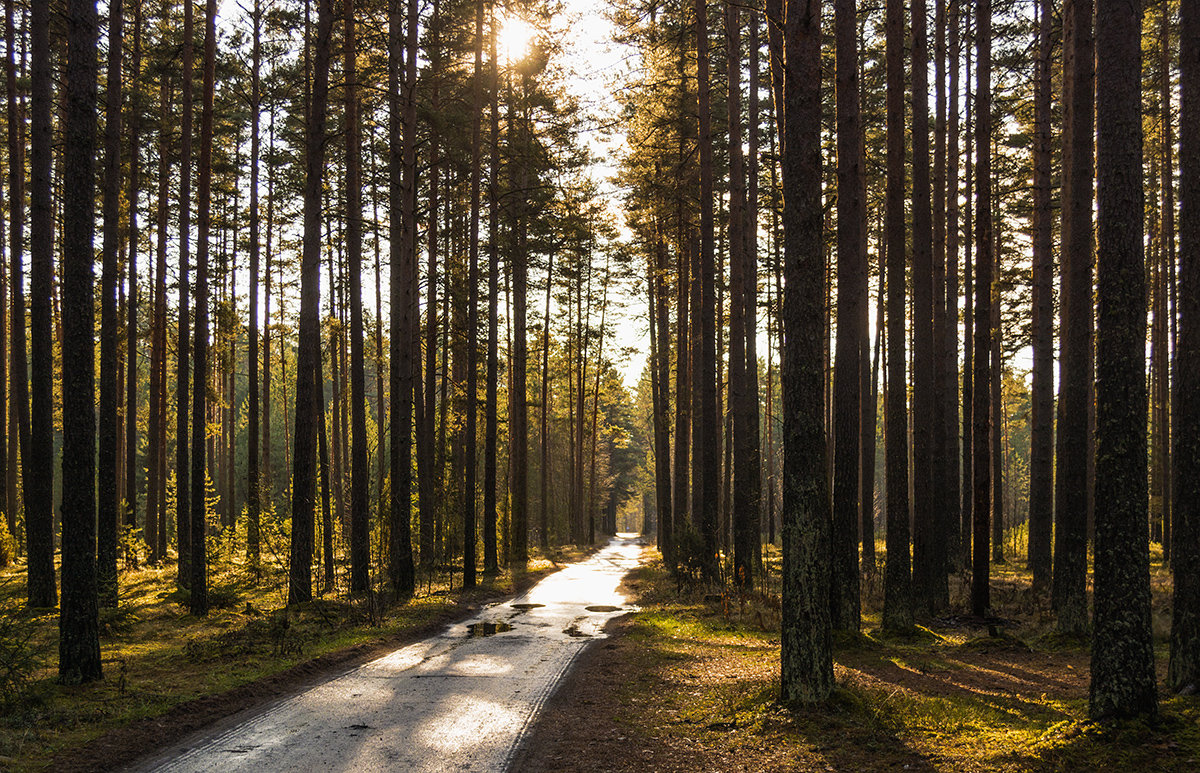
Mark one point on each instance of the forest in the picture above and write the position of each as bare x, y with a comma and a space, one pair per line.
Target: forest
876, 320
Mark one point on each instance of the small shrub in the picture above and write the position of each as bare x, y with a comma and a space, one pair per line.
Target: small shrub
8, 545
18, 658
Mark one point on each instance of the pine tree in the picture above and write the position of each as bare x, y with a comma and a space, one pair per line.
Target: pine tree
79, 641
1123, 677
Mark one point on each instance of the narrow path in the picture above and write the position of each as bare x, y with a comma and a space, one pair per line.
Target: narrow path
457, 701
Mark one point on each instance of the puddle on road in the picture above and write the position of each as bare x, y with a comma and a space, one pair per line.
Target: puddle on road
476, 630
526, 607
603, 608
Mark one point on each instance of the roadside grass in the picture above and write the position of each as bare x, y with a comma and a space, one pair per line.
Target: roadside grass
158, 657
953, 696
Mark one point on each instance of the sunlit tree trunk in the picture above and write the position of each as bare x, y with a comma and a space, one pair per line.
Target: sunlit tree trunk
183, 530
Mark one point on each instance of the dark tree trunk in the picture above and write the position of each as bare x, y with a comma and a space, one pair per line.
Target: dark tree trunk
806, 660
1123, 677
981, 413
1183, 671
683, 387
662, 410
924, 400
1072, 494
953, 447
156, 516
253, 483
745, 531
897, 580
426, 455
468, 503
360, 558
967, 516
129, 506
490, 559
79, 640
198, 601
108, 425
707, 434
308, 356
18, 372
851, 302
753, 451
519, 419
1041, 455
944, 522
183, 530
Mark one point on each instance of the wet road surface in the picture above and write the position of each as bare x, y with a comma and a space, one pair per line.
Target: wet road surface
458, 701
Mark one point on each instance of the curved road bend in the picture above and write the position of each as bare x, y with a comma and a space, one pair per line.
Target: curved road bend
458, 701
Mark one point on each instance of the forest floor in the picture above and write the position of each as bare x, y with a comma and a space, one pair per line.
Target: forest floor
690, 683
168, 673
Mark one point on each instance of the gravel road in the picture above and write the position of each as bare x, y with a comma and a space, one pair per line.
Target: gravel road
458, 701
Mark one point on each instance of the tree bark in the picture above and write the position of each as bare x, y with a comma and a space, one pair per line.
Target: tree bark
897, 581
309, 353
108, 429
851, 297
1072, 494
806, 660
79, 641
1183, 671
981, 410
1123, 678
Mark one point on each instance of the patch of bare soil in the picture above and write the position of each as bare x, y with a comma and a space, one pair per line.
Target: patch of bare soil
120, 748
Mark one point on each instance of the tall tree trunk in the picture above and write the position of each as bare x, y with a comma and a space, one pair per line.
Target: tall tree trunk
490, 560
662, 411
402, 162
1123, 677
925, 559
1171, 309
156, 516
967, 516
544, 434
78, 626
519, 420
131, 377
952, 501
1183, 671
750, 256
744, 536
945, 523
183, 530
706, 441
198, 600
360, 557
683, 368
309, 354
108, 429
426, 458
806, 659
1041, 461
981, 413
897, 580
469, 526
19, 392
1072, 494
851, 298
253, 482
268, 482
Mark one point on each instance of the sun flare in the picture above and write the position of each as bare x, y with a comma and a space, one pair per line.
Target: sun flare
515, 37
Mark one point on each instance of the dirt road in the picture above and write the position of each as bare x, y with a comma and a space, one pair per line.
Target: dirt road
458, 701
